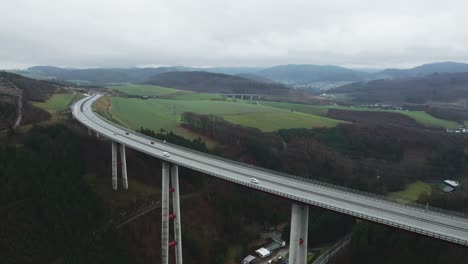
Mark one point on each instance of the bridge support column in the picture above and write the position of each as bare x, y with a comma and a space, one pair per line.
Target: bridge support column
298, 235
97, 135
89, 132
251, 97
242, 97
123, 160
176, 211
114, 165
165, 214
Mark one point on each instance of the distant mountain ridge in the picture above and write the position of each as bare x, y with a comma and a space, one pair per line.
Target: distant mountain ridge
288, 74
423, 70
435, 87
200, 81
305, 73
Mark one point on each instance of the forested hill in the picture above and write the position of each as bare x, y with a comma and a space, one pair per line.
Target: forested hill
34, 90
102, 76
435, 87
200, 81
423, 70
310, 73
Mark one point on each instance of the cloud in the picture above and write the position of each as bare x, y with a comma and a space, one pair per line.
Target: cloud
117, 33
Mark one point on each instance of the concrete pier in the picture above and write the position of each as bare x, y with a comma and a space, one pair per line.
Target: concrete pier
114, 165
298, 235
176, 211
165, 214
123, 160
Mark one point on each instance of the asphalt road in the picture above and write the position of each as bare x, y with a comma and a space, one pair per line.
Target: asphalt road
444, 226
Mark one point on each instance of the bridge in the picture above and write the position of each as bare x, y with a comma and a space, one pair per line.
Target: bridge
243, 95
425, 220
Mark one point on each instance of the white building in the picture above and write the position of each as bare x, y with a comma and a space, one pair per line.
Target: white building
451, 183
263, 252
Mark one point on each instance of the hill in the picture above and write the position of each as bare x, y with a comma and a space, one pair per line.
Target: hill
16, 93
309, 73
423, 70
103, 76
199, 81
441, 87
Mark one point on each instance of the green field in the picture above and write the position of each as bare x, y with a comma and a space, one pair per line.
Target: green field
419, 116
412, 191
165, 114
56, 103
272, 121
149, 90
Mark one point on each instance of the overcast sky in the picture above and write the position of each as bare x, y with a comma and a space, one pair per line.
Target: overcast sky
123, 33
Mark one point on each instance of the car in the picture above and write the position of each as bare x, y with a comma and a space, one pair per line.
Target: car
115, 134
126, 133
253, 180
165, 154
152, 142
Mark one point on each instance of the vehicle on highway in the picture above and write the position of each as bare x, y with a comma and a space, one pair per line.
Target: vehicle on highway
126, 133
152, 142
165, 154
253, 180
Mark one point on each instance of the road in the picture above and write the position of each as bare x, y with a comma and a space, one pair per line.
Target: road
441, 225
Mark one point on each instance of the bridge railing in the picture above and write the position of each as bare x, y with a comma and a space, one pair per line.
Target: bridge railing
348, 190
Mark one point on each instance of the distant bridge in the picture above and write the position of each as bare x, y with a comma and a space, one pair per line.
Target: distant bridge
241, 96
432, 222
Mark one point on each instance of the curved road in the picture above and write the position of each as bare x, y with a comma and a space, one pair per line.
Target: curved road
453, 228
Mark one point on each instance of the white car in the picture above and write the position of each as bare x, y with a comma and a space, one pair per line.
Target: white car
254, 181
165, 154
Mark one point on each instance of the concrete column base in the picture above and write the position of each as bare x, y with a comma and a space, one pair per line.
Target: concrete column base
298, 235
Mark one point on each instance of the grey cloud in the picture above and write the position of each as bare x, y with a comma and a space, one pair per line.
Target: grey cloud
118, 33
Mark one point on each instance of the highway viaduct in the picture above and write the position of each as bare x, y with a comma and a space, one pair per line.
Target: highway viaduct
432, 222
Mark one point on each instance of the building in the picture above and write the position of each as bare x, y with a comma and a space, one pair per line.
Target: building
263, 252
453, 184
249, 259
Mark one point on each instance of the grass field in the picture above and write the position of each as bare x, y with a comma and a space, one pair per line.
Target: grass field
165, 114
272, 121
56, 103
149, 90
419, 116
412, 191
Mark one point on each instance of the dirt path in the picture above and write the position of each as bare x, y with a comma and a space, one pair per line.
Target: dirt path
20, 106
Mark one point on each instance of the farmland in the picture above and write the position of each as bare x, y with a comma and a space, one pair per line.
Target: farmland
272, 121
56, 103
149, 90
165, 114
421, 117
